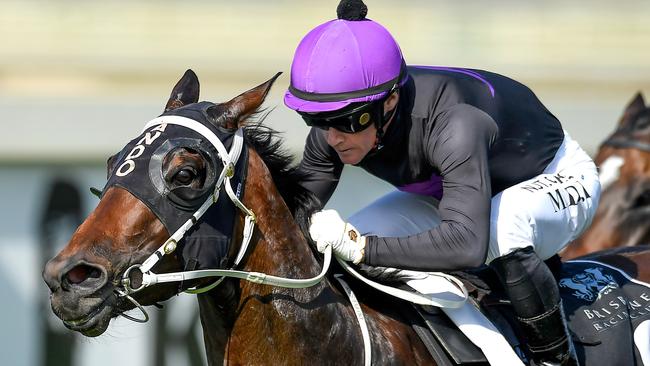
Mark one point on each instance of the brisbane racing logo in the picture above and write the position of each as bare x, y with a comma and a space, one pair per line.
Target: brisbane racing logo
599, 298
590, 284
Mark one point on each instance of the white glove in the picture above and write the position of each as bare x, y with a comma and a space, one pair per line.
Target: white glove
328, 229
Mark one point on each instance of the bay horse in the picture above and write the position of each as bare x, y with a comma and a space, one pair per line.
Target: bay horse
156, 184
623, 214
243, 322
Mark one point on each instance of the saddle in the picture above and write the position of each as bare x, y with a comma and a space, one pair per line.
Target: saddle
603, 305
447, 343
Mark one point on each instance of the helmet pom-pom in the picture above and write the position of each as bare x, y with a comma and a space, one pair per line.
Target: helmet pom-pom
351, 10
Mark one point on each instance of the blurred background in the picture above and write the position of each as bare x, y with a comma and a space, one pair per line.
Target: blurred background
78, 79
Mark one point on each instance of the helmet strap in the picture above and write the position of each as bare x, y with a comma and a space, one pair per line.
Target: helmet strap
385, 117
379, 144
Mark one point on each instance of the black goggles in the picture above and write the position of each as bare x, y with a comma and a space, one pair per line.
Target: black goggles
354, 118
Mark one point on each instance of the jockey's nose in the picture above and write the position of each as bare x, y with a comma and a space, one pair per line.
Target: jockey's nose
334, 137
73, 275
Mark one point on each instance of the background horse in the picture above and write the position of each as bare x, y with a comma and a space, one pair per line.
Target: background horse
243, 322
624, 210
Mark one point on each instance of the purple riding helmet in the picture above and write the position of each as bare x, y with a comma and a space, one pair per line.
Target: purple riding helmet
341, 67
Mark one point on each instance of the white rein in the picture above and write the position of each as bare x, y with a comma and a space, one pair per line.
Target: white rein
229, 160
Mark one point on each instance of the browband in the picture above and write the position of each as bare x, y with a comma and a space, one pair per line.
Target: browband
338, 97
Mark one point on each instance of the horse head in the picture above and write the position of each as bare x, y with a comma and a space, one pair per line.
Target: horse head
156, 184
624, 208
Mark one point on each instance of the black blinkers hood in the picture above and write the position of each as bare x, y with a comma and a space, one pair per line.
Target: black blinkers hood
139, 169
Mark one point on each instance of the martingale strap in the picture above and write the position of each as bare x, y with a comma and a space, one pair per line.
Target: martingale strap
358, 312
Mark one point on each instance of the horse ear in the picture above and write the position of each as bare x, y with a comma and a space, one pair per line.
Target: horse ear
186, 91
636, 105
247, 103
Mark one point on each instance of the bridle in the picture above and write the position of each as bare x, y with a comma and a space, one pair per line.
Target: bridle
623, 143
614, 162
229, 160
622, 138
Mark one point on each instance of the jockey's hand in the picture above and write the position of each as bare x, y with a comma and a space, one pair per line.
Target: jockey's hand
328, 229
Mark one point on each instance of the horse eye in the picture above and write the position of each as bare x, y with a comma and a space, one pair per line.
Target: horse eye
642, 123
185, 176
642, 200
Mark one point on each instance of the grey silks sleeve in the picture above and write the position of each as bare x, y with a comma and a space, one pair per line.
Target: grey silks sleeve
457, 144
321, 166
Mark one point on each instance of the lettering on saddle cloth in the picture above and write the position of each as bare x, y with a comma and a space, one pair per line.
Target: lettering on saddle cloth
606, 302
597, 300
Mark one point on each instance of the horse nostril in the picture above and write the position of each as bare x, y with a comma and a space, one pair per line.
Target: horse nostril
82, 273
52, 273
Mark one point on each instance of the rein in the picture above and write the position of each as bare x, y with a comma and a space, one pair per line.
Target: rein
229, 160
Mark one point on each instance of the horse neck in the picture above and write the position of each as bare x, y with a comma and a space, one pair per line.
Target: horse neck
279, 246
274, 325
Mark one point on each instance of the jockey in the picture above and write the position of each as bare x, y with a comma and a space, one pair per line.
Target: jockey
513, 187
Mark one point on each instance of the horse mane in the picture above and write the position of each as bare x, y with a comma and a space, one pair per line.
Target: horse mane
268, 143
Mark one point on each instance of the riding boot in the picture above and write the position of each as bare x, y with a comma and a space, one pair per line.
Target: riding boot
535, 297
548, 340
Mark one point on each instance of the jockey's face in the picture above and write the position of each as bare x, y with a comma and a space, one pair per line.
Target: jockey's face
353, 147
